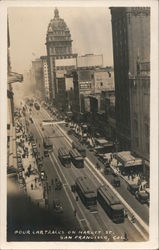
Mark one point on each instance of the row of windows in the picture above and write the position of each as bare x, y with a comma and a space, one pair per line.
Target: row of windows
59, 38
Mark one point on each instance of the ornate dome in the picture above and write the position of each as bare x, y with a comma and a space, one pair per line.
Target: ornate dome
58, 28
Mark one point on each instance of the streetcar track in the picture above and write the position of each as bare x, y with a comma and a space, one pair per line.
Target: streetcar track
68, 195
94, 171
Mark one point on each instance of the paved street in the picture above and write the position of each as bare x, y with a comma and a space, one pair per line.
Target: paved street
86, 220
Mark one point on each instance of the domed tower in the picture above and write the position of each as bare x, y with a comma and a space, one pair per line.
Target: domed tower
58, 45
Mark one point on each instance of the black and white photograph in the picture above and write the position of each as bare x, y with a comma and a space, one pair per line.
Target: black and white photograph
80, 144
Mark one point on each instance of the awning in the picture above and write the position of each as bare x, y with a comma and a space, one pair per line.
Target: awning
127, 159
103, 142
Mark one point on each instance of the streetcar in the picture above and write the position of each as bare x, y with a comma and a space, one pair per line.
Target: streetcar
111, 204
47, 144
76, 158
87, 192
79, 148
64, 156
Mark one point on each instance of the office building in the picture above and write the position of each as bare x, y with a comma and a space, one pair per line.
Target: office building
131, 40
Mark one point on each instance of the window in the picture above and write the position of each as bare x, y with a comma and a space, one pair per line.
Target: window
101, 84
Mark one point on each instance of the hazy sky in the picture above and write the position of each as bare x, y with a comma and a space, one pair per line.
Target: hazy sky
90, 31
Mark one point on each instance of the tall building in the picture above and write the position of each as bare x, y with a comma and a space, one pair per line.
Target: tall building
59, 46
38, 77
140, 113
131, 40
45, 77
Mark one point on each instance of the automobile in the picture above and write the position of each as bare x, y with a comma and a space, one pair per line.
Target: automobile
58, 184
18, 155
19, 160
57, 206
39, 162
42, 175
116, 181
31, 138
66, 124
69, 132
20, 174
108, 171
35, 151
34, 145
133, 188
20, 167
46, 153
21, 180
142, 196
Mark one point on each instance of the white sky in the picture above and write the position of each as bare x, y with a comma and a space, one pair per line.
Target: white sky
90, 31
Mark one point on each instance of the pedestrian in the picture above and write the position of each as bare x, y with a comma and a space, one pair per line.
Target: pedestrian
32, 186
125, 213
39, 145
133, 219
76, 198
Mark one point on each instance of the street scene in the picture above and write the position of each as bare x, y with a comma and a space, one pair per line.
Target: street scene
78, 128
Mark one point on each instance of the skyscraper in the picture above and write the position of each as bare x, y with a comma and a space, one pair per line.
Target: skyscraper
131, 42
59, 46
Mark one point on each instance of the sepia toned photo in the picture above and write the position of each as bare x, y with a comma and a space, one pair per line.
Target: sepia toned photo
78, 124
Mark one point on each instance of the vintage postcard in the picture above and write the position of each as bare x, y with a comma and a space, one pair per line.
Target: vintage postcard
79, 127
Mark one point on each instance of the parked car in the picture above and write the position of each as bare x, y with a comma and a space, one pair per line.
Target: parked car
116, 181
133, 188
46, 153
58, 184
142, 196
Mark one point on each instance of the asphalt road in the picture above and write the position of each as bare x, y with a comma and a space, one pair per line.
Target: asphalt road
87, 220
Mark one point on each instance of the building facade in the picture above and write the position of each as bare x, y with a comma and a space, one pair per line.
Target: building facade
12, 77
103, 80
89, 60
140, 113
37, 67
59, 46
131, 40
45, 77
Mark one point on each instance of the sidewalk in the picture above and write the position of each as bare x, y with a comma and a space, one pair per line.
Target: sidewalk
33, 184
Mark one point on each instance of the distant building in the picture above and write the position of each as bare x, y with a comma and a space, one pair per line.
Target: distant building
103, 80
83, 87
59, 47
90, 60
131, 39
45, 77
37, 70
61, 93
